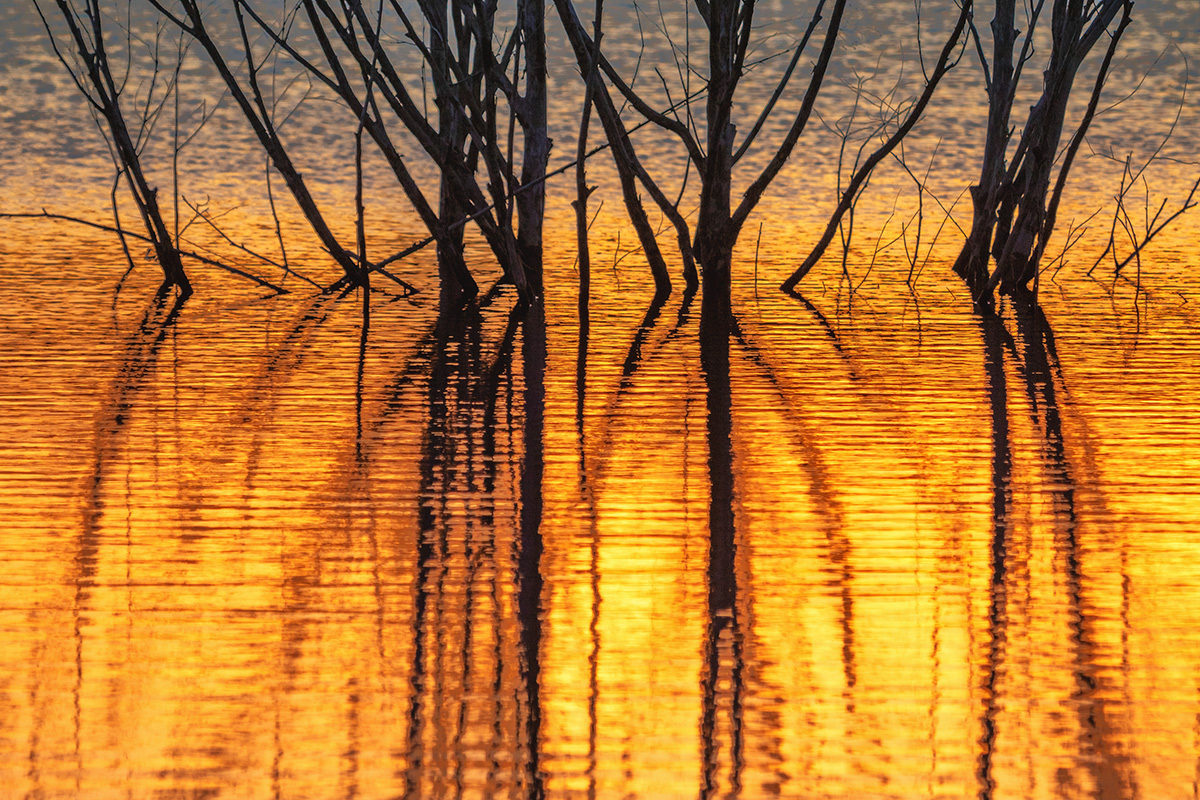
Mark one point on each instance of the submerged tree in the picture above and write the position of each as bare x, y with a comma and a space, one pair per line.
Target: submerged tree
471, 69
714, 149
1015, 208
483, 65
713, 154
485, 86
92, 73
904, 122
251, 100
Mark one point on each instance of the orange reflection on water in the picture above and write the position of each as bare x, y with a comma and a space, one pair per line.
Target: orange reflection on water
248, 558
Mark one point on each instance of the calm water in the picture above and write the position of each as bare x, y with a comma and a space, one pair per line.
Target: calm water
885, 547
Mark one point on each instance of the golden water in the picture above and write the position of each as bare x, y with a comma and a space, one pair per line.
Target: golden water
246, 555
244, 558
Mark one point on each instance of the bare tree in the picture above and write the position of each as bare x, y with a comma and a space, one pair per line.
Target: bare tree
713, 155
471, 70
1015, 208
92, 73
862, 173
252, 101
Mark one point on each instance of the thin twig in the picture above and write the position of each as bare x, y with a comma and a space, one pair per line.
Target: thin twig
110, 229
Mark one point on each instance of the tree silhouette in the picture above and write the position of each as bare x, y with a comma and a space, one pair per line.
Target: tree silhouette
1014, 208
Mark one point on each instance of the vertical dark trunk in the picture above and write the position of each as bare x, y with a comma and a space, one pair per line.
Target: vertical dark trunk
455, 278
1013, 251
715, 232
1075, 30
467, 80
451, 266
715, 239
582, 193
1013, 209
973, 261
452, 128
531, 202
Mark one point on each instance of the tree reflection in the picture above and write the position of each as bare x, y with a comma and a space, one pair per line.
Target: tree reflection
529, 577
1034, 358
997, 390
137, 366
723, 665
476, 623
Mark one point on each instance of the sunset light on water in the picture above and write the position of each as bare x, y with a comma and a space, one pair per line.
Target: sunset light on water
895, 534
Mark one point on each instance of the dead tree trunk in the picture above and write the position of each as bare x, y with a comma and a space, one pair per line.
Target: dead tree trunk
531, 112
254, 108
468, 77
1013, 204
715, 233
730, 25
1001, 87
102, 92
447, 42
370, 61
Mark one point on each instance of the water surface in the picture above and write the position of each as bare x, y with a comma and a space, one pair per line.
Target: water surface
880, 545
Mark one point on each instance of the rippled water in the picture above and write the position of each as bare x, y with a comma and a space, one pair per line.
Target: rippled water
881, 546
